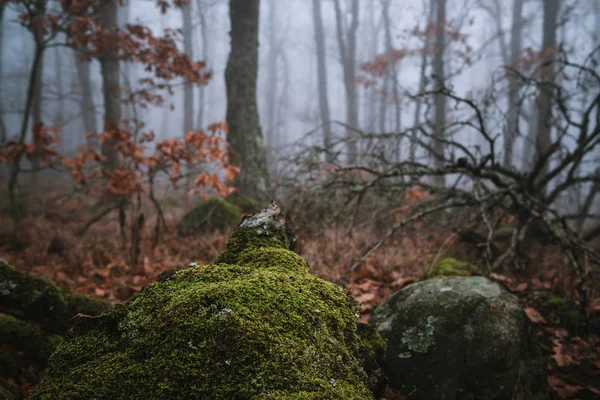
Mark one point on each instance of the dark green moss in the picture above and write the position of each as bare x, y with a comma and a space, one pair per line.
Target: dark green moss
35, 299
570, 317
448, 267
245, 204
27, 338
216, 214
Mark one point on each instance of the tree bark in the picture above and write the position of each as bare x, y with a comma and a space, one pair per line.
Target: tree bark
36, 105
513, 82
440, 81
273, 80
322, 81
422, 78
347, 47
245, 139
188, 89
394, 74
544, 123
3, 133
87, 101
204, 54
109, 68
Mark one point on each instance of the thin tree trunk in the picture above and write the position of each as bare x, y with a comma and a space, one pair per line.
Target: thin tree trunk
109, 68
322, 79
3, 133
188, 89
422, 78
59, 116
544, 123
347, 48
440, 81
36, 106
88, 109
123, 18
513, 82
394, 75
204, 55
245, 139
273, 76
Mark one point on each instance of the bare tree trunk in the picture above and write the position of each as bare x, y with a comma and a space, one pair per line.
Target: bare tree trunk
422, 78
3, 133
394, 74
36, 105
123, 17
322, 78
513, 82
440, 99
544, 123
188, 89
204, 54
347, 47
88, 109
247, 149
109, 68
59, 115
273, 79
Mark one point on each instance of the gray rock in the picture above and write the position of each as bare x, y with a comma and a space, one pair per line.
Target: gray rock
460, 338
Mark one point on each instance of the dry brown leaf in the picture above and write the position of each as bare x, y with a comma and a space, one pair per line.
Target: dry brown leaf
534, 315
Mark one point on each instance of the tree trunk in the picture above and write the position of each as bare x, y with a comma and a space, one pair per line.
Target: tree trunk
544, 123
88, 110
188, 89
59, 115
204, 38
394, 74
245, 139
3, 133
440, 81
273, 78
347, 47
322, 79
36, 105
513, 82
109, 68
422, 78
123, 17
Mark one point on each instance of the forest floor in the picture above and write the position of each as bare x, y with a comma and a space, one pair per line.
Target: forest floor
98, 264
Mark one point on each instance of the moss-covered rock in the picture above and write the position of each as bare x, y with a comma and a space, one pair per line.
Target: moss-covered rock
256, 325
216, 214
245, 204
27, 338
460, 338
448, 267
569, 315
35, 299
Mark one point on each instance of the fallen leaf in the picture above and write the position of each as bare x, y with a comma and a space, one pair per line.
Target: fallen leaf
534, 315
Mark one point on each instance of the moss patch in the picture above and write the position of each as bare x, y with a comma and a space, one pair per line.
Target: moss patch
569, 315
216, 214
259, 328
448, 267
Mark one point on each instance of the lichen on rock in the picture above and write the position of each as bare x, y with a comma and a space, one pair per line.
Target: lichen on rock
255, 325
460, 338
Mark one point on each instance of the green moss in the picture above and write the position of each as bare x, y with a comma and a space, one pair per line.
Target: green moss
245, 204
35, 299
216, 214
261, 328
449, 267
372, 341
569, 315
27, 338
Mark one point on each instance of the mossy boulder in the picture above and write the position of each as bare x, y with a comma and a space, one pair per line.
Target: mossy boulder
448, 267
215, 214
569, 315
35, 299
460, 338
255, 325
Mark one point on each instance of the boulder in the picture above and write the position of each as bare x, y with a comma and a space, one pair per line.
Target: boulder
460, 338
215, 214
255, 325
